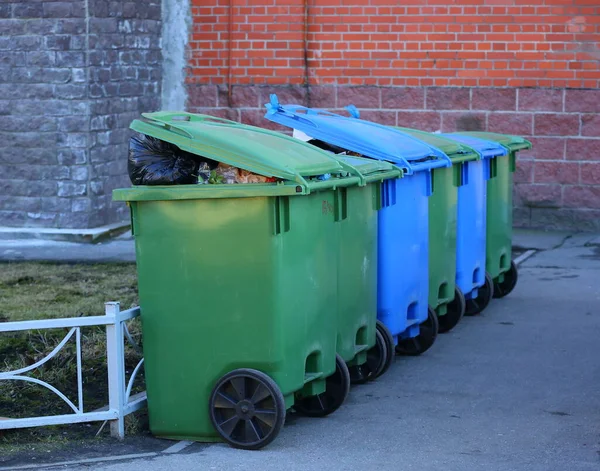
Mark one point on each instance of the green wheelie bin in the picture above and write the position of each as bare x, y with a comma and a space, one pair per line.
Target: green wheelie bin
238, 283
500, 211
367, 350
444, 295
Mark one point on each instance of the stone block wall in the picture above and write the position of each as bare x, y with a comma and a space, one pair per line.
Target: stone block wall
73, 74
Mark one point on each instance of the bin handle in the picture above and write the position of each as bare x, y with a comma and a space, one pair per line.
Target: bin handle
353, 171
191, 118
170, 127
427, 165
275, 107
195, 118
202, 117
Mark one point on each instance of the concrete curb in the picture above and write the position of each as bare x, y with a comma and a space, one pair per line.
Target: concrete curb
86, 236
530, 239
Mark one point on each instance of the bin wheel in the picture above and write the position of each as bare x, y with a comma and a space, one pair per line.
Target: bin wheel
484, 296
247, 409
376, 359
337, 387
428, 331
455, 312
390, 344
510, 281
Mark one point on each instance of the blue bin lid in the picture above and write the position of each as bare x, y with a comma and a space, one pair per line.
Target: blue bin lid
486, 149
364, 137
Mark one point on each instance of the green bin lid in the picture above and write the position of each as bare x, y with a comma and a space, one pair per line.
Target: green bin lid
256, 150
456, 151
512, 143
371, 168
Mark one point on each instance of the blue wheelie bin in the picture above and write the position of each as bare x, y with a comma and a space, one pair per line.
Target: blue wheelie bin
471, 275
404, 316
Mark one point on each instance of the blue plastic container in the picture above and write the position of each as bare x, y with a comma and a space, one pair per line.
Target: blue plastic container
471, 222
403, 254
403, 232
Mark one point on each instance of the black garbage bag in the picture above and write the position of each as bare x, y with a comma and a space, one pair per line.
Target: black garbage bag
326, 146
155, 162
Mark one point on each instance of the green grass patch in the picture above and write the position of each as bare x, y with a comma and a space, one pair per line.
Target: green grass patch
31, 291
45, 291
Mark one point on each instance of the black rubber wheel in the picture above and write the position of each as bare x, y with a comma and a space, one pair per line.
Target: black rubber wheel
376, 360
428, 331
454, 313
337, 387
390, 344
247, 409
510, 281
484, 296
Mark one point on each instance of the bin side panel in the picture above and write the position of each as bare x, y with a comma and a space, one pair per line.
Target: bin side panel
357, 262
442, 237
403, 254
306, 287
471, 228
499, 218
206, 288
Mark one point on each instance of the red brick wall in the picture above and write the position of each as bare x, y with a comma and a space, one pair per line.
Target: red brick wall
528, 67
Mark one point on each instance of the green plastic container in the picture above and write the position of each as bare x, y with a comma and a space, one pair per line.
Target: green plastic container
444, 295
357, 259
500, 211
242, 276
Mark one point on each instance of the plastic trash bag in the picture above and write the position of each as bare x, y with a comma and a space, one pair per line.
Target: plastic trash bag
155, 162
326, 146
333, 148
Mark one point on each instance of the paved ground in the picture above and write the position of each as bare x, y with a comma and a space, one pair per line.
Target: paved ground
516, 388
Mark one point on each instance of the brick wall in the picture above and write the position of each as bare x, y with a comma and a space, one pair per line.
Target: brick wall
549, 43
528, 68
73, 74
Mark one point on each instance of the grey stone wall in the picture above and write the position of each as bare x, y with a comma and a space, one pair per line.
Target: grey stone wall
73, 74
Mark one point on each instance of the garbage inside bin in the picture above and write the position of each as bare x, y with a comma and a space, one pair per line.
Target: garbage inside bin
226, 174
155, 162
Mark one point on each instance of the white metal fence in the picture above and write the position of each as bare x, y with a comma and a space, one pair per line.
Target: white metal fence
120, 401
